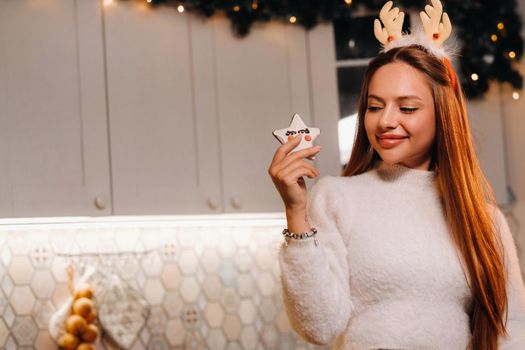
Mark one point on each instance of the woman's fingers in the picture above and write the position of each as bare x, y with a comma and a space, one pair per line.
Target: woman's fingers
289, 174
293, 157
285, 148
287, 170
283, 159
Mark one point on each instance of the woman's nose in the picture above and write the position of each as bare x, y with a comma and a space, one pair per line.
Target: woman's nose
388, 118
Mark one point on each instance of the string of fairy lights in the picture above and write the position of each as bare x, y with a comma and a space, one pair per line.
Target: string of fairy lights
489, 31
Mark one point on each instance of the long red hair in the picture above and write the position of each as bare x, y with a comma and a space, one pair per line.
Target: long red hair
466, 195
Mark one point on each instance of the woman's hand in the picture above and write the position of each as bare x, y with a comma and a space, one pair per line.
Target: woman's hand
287, 171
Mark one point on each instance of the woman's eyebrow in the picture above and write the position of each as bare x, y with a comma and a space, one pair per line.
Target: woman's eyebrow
409, 97
400, 98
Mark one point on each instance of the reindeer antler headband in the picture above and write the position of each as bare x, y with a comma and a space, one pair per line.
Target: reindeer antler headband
436, 29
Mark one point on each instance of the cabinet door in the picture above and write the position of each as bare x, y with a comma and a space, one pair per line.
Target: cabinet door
53, 142
164, 153
324, 95
486, 120
262, 80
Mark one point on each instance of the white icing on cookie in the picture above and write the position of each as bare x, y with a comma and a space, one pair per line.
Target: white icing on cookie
297, 126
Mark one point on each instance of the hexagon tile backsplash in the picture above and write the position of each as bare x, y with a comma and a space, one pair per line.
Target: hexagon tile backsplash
207, 287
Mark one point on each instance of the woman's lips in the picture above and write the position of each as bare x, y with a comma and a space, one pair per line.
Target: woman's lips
390, 141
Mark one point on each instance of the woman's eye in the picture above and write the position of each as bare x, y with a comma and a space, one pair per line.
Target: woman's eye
408, 110
373, 109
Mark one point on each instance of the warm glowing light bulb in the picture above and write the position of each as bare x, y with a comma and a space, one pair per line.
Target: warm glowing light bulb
512, 54
236, 8
494, 37
515, 95
348, 2
474, 76
108, 2
293, 19
501, 25
149, 1
180, 8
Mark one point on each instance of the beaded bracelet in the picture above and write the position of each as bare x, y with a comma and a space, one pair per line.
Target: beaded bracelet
288, 235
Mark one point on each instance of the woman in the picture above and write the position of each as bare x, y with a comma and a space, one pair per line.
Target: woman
411, 251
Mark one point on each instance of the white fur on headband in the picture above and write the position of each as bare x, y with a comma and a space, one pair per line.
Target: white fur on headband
419, 37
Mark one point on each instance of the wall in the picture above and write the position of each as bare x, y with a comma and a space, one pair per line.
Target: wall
209, 286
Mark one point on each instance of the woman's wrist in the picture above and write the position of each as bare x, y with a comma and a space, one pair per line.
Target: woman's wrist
296, 220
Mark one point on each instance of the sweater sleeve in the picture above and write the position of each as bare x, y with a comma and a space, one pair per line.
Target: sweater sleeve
515, 290
315, 279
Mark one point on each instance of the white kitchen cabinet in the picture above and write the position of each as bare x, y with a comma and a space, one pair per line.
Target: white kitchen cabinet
192, 109
53, 141
126, 109
162, 114
486, 121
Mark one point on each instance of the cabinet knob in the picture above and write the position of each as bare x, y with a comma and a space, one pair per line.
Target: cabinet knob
213, 203
100, 202
236, 202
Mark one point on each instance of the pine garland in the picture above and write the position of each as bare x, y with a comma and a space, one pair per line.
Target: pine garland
489, 31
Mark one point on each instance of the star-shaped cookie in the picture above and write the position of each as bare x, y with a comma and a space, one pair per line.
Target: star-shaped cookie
297, 126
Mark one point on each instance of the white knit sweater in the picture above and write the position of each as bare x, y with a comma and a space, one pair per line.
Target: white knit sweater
385, 273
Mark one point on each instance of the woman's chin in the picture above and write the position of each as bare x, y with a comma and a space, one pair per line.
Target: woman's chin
390, 158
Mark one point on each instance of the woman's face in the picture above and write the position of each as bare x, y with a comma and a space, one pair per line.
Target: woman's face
400, 117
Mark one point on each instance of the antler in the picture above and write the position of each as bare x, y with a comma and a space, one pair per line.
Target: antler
393, 22
436, 31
